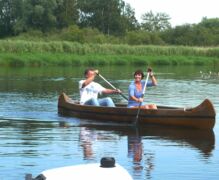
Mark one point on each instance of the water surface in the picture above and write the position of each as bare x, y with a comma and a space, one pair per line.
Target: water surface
34, 137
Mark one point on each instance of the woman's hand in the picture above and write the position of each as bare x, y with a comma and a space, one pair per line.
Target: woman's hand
149, 70
140, 100
151, 74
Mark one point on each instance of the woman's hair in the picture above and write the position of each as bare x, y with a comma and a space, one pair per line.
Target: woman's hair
139, 72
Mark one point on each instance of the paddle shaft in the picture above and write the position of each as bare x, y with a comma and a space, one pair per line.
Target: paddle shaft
112, 86
139, 107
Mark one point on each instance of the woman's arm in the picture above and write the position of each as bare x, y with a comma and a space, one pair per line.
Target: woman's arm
153, 79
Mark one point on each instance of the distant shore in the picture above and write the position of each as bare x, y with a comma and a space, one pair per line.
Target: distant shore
18, 53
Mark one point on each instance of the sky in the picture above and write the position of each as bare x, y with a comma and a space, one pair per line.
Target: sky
180, 11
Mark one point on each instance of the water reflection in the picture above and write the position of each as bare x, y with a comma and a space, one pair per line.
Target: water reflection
202, 140
86, 139
35, 140
143, 159
135, 148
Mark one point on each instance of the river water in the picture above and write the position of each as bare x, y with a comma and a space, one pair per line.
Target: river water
34, 137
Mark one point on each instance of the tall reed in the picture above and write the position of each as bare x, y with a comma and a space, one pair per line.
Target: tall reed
63, 53
15, 46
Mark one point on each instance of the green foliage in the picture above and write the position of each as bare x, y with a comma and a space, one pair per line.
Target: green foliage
98, 21
40, 14
10, 13
129, 21
155, 22
66, 13
203, 34
138, 37
111, 17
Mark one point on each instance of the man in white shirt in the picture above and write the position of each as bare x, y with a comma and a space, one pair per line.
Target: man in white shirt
89, 90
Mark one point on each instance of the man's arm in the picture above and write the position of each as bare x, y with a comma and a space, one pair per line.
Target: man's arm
111, 91
90, 78
87, 81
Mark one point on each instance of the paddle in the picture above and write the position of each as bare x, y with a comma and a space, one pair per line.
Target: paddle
144, 89
112, 85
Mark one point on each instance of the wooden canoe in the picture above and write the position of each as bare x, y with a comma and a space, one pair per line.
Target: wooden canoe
201, 116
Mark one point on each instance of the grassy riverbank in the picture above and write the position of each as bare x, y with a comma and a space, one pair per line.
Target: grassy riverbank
61, 53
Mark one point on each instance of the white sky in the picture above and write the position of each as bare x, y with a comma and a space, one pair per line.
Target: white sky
180, 11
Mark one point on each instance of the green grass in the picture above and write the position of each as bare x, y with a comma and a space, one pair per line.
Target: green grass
61, 53
67, 59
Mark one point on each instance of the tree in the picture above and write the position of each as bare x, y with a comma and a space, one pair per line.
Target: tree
180, 35
204, 33
66, 13
10, 13
210, 23
155, 22
209, 30
39, 14
111, 17
138, 37
129, 20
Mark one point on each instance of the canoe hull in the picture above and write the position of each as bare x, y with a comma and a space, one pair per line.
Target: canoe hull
202, 116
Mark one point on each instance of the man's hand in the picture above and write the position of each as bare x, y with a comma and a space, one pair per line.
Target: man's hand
96, 71
118, 91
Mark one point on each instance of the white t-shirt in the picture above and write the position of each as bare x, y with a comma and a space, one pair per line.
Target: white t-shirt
90, 91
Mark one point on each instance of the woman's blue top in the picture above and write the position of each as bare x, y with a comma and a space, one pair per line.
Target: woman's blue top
134, 92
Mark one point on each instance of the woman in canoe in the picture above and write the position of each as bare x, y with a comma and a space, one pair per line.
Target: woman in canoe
89, 90
136, 90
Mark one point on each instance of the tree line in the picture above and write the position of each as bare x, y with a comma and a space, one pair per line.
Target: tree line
100, 21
